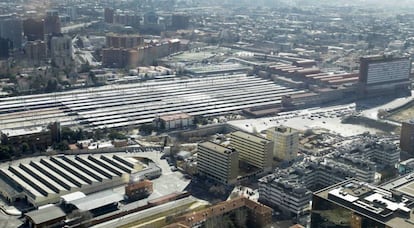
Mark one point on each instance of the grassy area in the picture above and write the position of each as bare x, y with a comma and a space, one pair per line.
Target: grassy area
402, 114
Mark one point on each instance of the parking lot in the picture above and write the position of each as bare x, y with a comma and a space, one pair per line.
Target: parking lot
327, 118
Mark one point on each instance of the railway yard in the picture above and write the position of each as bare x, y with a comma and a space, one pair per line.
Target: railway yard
139, 103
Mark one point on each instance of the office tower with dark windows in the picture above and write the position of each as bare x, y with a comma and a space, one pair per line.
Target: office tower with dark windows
407, 137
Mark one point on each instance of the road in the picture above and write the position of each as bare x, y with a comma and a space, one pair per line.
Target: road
75, 27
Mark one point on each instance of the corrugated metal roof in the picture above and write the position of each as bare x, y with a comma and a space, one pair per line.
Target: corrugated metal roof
97, 200
46, 214
73, 196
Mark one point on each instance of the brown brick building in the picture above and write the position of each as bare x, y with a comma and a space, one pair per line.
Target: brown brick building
258, 215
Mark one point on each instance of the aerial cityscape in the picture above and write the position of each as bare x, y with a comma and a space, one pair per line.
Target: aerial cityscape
210, 114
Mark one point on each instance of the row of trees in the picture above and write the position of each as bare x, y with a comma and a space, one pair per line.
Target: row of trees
69, 136
9, 150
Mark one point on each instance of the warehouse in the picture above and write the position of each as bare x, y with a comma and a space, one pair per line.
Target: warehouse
44, 180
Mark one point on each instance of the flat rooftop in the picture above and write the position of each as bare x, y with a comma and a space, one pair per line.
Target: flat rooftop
404, 185
251, 137
386, 207
216, 147
177, 116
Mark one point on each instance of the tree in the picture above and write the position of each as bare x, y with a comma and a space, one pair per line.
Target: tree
92, 79
147, 129
62, 146
5, 152
52, 86
162, 126
4, 139
80, 135
116, 135
86, 67
68, 134
200, 120
25, 148
98, 134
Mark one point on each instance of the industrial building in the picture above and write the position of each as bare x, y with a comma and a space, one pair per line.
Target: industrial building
305, 71
139, 103
286, 142
218, 162
357, 204
174, 121
97, 204
317, 97
43, 180
253, 150
51, 216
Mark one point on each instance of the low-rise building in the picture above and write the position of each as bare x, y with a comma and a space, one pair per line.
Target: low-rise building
138, 190
406, 166
51, 216
174, 121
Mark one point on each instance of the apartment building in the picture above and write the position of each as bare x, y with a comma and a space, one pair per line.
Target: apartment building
253, 150
218, 162
286, 142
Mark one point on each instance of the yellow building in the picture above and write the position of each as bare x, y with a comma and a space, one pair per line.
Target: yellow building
286, 142
218, 163
253, 150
